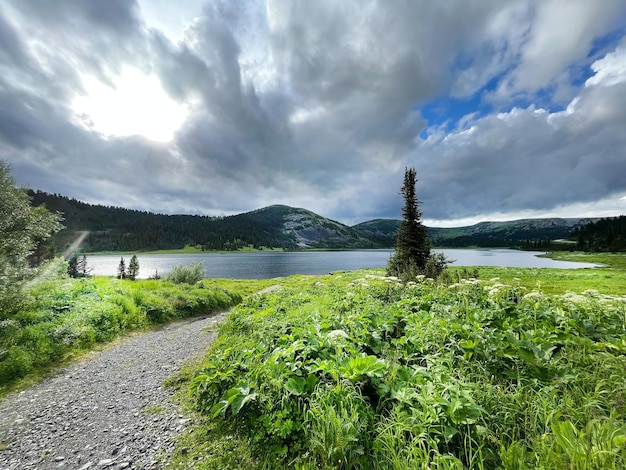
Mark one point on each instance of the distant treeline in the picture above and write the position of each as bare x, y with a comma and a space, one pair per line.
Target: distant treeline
486, 241
118, 229
604, 235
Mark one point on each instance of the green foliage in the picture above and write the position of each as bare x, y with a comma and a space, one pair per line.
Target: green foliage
22, 230
413, 246
121, 269
189, 274
603, 235
61, 316
133, 268
362, 371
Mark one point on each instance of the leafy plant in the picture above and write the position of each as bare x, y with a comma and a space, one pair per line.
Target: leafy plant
359, 370
60, 315
189, 274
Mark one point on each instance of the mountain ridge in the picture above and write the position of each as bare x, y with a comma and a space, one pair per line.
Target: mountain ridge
276, 226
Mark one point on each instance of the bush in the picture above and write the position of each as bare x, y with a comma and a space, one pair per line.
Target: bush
189, 274
407, 271
24, 231
367, 372
61, 315
15, 363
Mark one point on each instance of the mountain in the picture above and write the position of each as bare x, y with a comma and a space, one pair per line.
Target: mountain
117, 229
310, 230
278, 226
524, 233
382, 231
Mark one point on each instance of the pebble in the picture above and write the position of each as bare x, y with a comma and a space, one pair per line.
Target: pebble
81, 417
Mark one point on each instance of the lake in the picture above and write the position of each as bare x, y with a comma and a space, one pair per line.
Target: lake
267, 265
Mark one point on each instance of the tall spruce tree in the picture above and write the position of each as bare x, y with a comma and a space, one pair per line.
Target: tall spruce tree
121, 269
412, 245
133, 268
72, 266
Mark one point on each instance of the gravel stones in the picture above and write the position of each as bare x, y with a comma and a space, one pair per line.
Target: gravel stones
108, 411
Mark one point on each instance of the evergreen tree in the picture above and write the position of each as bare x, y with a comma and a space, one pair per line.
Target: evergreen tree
121, 269
133, 268
72, 266
83, 269
412, 245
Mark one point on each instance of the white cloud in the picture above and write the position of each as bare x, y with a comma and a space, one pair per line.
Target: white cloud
532, 159
610, 70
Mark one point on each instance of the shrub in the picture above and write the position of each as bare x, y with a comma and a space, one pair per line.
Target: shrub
60, 315
189, 274
367, 372
15, 363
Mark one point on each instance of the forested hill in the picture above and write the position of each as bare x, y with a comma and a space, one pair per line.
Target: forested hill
289, 228
602, 235
525, 233
117, 229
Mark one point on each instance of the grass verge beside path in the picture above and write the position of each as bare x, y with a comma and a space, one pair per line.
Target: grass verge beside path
61, 318
358, 371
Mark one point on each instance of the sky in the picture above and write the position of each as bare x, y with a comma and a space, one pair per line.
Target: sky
506, 109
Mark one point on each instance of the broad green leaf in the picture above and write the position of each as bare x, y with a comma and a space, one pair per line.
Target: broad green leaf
296, 385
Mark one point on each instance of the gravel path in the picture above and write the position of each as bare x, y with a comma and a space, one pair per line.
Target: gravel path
109, 410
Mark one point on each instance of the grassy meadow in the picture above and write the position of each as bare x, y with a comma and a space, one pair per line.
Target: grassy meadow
60, 318
610, 278
516, 369
493, 368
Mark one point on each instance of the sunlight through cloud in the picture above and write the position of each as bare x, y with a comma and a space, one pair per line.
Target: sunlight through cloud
137, 105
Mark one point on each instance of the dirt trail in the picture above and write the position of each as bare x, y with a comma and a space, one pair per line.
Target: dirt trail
109, 410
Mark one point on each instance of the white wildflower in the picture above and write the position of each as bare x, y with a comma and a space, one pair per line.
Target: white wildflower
337, 336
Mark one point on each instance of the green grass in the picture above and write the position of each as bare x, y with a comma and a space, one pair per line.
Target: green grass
60, 318
615, 261
187, 250
608, 279
358, 371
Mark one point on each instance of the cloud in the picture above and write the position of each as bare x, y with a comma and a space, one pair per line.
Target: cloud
532, 158
558, 38
318, 104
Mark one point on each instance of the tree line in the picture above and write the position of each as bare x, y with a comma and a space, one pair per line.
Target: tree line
118, 229
605, 235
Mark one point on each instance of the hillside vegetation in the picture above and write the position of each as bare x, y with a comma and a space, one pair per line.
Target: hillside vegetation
289, 228
117, 229
358, 370
602, 235
59, 317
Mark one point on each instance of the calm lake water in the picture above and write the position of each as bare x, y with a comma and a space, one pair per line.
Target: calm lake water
266, 265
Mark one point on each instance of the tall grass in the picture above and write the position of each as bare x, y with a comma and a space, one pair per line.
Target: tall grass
60, 316
361, 371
